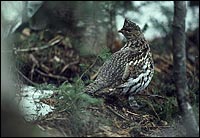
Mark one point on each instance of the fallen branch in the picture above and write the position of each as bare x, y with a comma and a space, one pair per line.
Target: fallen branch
56, 41
27, 79
153, 95
68, 65
51, 75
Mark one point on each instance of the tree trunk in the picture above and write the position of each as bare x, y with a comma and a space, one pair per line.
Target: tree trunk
179, 55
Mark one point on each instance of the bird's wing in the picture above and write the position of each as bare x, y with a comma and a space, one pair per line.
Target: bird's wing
112, 71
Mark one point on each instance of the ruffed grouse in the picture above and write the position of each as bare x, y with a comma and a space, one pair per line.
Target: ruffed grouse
129, 70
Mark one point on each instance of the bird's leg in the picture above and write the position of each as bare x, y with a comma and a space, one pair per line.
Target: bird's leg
133, 103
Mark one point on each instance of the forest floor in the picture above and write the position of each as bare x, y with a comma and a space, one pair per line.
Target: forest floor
53, 60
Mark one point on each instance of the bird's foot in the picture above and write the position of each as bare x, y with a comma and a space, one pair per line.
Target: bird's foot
133, 103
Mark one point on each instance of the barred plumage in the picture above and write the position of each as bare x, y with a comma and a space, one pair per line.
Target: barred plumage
129, 70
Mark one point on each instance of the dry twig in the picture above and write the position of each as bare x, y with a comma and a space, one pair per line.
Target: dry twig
119, 115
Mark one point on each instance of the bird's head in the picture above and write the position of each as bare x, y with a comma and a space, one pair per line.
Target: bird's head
130, 30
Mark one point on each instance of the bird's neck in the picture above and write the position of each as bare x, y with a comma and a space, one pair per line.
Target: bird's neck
133, 43
140, 37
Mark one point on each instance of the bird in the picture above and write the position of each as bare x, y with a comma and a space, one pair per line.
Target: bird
127, 71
